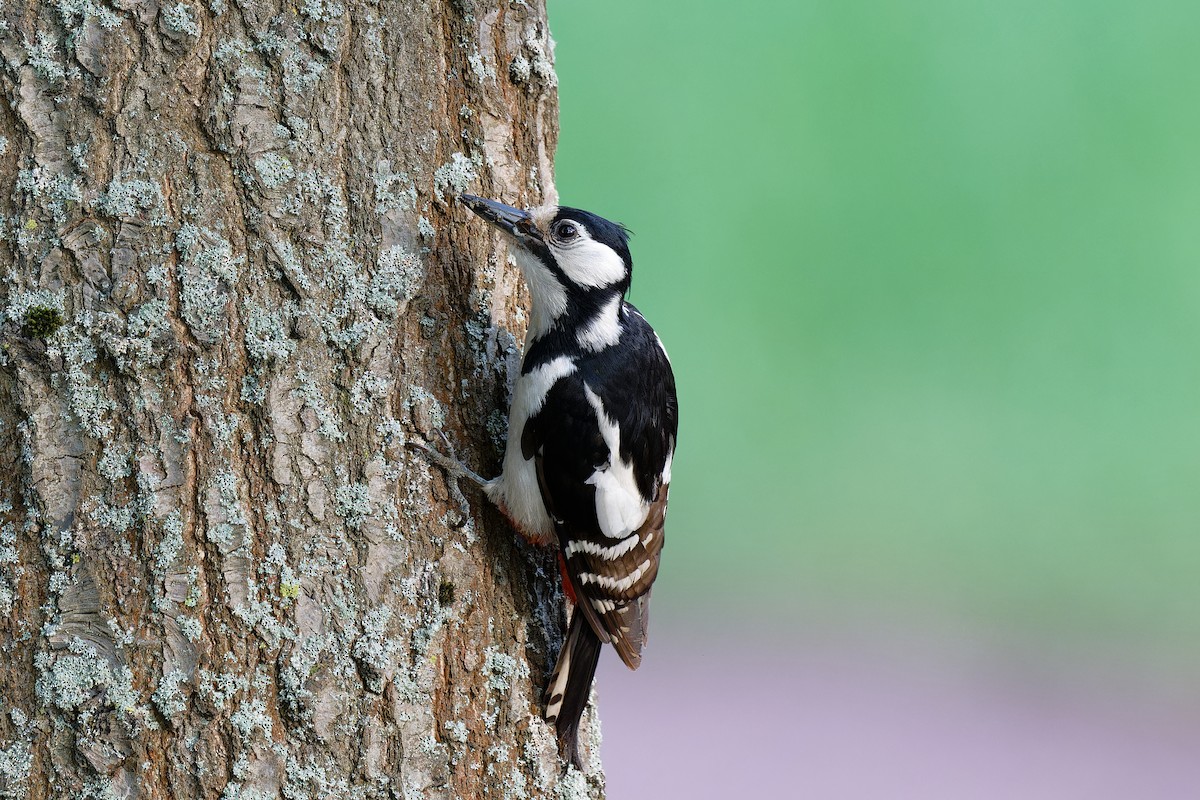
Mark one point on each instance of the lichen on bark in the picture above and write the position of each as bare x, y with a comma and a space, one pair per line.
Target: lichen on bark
234, 286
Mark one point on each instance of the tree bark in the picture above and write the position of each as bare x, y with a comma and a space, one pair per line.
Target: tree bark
235, 285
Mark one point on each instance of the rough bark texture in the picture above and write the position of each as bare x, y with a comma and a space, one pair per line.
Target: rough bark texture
234, 284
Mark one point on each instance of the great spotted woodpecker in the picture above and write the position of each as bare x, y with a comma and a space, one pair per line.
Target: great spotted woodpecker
591, 436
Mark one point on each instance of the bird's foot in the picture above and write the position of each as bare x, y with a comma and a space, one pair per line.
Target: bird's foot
454, 469
449, 463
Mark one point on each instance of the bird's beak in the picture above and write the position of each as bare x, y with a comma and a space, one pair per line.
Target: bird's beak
513, 221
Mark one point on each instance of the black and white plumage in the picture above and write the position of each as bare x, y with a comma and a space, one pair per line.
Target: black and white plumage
592, 431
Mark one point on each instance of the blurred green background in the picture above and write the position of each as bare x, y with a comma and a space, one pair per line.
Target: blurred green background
929, 273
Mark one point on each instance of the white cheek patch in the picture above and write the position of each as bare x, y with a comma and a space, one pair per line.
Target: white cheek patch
589, 263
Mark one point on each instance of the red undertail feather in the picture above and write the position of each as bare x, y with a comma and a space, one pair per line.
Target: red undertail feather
568, 587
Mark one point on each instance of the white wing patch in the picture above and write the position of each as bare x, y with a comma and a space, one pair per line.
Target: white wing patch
620, 508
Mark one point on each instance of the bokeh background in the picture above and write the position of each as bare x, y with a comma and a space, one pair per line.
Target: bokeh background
929, 273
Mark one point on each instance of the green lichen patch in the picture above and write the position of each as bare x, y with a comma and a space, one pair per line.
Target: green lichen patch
41, 322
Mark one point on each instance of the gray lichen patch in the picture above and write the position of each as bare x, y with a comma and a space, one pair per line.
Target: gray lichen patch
170, 545
23, 302
394, 191
85, 683
375, 651
16, 762
134, 200
519, 69
180, 17
481, 70
208, 272
541, 51
367, 390
353, 503
169, 698
10, 568
503, 669
43, 56
329, 423
429, 414
138, 341
86, 395
114, 465
190, 627
70, 680
75, 13
266, 331
348, 301
573, 786
456, 175
274, 170
532, 65
218, 689
250, 717
398, 278
425, 229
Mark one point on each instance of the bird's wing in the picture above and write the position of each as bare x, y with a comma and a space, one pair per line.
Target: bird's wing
605, 482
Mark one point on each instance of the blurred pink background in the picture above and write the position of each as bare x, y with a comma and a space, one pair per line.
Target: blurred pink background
888, 716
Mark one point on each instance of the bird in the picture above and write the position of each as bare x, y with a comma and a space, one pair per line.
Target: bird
592, 428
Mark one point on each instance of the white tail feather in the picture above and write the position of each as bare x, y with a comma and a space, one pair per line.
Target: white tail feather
558, 681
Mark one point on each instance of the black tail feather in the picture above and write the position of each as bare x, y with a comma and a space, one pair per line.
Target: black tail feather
571, 684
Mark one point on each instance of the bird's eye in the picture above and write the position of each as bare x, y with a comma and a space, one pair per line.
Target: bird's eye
566, 231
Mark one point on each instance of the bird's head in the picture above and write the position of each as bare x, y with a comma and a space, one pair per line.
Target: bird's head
572, 259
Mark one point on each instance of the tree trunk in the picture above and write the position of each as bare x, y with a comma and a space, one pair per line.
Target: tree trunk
236, 284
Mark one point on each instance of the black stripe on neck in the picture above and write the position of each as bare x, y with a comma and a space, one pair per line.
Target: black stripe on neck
583, 306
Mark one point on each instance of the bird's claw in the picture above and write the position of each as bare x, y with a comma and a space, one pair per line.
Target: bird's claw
449, 463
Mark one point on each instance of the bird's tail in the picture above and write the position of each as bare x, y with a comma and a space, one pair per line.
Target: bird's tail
571, 684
